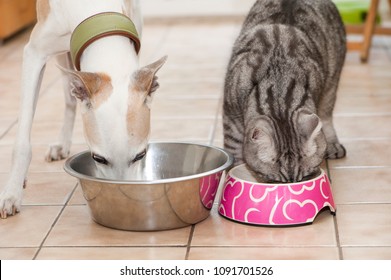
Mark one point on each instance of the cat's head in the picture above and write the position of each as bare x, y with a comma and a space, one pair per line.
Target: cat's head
285, 151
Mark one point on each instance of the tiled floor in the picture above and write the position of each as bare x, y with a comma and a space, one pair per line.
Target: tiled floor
55, 223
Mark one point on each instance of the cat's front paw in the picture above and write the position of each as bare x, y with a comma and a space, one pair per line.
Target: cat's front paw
335, 151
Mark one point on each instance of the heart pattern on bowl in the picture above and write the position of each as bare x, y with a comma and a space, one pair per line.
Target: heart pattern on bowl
208, 188
275, 204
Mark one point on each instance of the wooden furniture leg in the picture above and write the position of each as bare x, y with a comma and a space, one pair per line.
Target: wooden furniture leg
367, 30
369, 27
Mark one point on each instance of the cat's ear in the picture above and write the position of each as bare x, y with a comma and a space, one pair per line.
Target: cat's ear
145, 79
310, 127
261, 135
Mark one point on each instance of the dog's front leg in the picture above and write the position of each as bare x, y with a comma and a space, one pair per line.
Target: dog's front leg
32, 72
60, 150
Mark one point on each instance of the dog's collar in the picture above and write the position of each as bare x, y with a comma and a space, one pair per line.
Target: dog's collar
99, 26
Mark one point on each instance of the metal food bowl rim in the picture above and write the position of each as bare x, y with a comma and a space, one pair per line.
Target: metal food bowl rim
228, 163
261, 184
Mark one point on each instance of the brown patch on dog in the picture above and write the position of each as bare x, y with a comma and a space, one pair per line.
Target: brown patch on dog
143, 80
43, 10
144, 77
102, 90
138, 118
94, 87
99, 90
138, 115
90, 129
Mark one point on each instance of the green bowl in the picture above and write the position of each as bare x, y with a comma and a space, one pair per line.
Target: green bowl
354, 11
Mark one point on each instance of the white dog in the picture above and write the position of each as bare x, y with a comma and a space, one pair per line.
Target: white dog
114, 93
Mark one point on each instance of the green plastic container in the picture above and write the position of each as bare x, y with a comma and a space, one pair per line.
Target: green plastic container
354, 11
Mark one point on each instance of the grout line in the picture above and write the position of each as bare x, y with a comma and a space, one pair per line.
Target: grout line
113, 246
195, 19
346, 139
181, 118
41, 93
190, 97
387, 48
9, 128
360, 167
55, 221
206, 246
188, 247
16, 40
280, 246
340, 253
216, 120
354, 115
183, 81
361, 203
161, 42
45, 90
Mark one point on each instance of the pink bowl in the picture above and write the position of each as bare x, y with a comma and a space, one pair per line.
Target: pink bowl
245, 200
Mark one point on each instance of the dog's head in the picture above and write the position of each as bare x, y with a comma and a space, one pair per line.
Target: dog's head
116, 117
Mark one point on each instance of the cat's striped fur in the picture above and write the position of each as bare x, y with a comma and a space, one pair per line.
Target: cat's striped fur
280, 88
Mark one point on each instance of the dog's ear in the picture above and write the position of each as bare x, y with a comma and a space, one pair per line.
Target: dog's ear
145, 79
83, 84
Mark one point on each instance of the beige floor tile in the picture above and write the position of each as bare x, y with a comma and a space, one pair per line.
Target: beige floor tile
201, 71
367, 253
9, 107
153, 37
38, 163
361, 185
218, 143
364, 225
362, 104
364, 79
49, 188
17, 253
218, 231
363, 126
12, 77
218, 50
219, 131
29, 227
198, 130
184, 108
365, 153
5, 125
104, 253
263, 253
352, 91
45, 133
14, 44
51, 105
77, 197
177, 8
174, 86
76, 228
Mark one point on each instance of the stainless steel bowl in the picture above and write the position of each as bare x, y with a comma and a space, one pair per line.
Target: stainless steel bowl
174, 187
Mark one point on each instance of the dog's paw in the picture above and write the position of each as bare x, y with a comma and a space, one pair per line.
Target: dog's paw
10, 203
56, 152
335, 151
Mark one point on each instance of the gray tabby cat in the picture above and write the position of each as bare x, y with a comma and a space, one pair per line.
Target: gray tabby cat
280, 89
